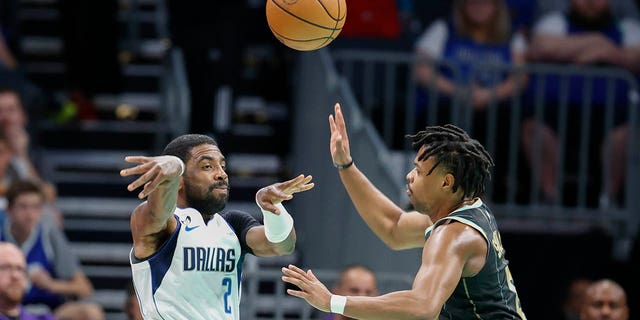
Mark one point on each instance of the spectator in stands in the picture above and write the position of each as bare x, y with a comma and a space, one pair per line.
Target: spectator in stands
477, 42
131, 304
605, 299
619, 8
13, 128
13, 284
54, 270
15, 147
479, 34
575, 298
12, 168
354, 280
12, 76
586, 34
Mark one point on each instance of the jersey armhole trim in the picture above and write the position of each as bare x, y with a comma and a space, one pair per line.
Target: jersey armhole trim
135, 261
477, 228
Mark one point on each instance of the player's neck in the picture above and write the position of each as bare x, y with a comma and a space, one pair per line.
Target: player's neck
453, 206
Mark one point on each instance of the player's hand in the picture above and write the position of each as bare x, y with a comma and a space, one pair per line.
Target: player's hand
269, 196
311, 289
339, 144
153, 171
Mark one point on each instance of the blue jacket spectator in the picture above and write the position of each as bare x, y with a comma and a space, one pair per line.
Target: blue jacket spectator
478, 35
54, 271
587, 34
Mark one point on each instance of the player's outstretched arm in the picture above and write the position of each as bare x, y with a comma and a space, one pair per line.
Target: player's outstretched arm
277, 236
160, 179
399, 230
451, 252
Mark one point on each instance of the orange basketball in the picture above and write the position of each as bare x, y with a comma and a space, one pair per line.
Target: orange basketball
306, 24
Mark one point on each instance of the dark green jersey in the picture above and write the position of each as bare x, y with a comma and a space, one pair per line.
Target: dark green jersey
490, 294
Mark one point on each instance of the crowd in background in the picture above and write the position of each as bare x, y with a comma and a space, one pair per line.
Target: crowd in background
476, 54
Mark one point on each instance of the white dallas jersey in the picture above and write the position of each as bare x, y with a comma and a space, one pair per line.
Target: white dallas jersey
196, 274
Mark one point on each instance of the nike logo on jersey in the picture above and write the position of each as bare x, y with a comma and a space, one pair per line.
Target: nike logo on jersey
187, 228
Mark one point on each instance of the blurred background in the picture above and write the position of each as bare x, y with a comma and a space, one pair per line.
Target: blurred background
549, 87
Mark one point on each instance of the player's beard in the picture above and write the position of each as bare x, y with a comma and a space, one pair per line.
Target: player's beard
206, 202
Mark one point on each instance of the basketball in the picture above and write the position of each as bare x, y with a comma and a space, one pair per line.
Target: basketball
306, 24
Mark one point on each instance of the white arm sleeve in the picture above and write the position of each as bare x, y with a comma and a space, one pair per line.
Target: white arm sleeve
552, 24
433, 39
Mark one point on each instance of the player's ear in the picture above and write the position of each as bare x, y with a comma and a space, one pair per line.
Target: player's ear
448, 181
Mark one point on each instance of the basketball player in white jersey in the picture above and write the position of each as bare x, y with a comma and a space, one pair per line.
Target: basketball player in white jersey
187, 254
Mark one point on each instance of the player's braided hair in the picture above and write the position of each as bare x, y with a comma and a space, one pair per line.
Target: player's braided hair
463, 156
181, 145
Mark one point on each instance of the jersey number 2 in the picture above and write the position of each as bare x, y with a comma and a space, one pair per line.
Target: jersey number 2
227, 306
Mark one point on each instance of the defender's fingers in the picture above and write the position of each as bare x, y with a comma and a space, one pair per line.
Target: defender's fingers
340, 120
294, 281
332, 124
338, 142
313, 276
297, 270
288, 271
299, 294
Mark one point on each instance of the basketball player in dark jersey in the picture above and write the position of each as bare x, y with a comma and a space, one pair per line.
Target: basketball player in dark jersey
464, 273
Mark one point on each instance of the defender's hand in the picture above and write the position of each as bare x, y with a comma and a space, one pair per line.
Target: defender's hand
339, 144
311, 289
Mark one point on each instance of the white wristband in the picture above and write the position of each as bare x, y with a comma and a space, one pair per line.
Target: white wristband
338, 303
277, 227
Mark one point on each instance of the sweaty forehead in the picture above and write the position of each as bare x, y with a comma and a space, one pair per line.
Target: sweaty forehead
205, 151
